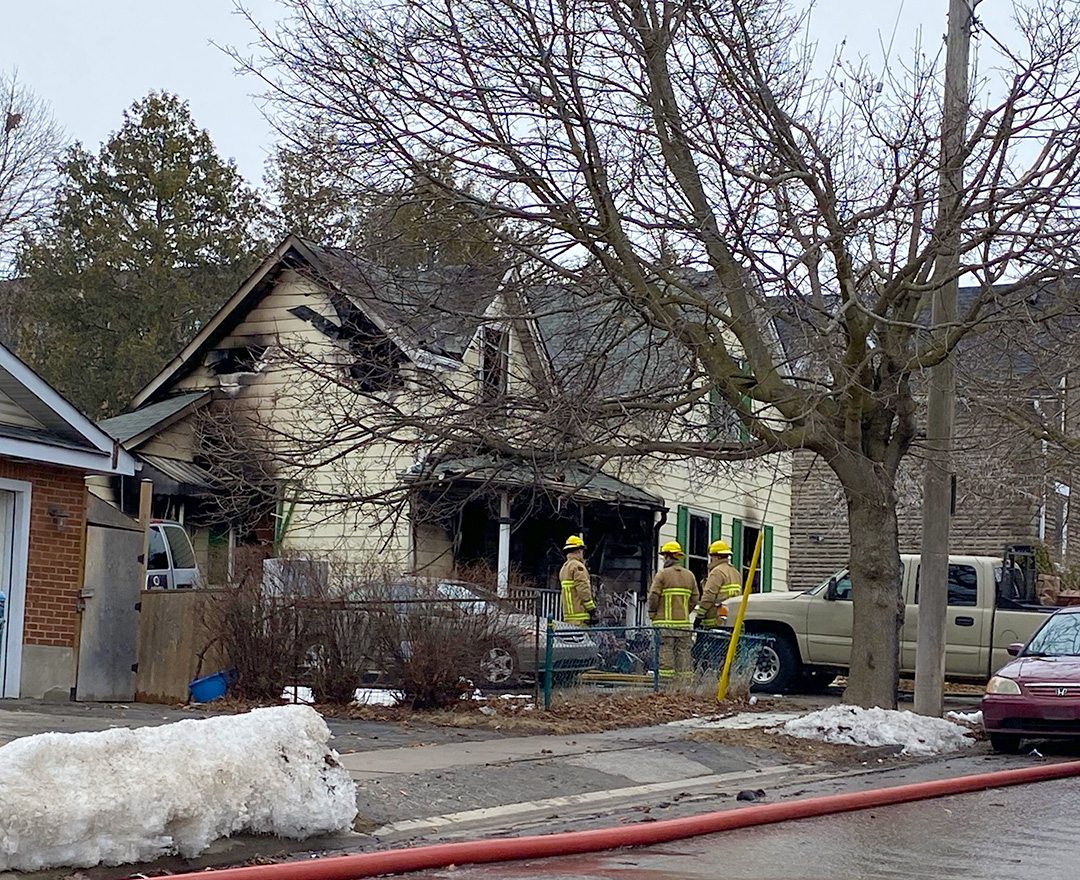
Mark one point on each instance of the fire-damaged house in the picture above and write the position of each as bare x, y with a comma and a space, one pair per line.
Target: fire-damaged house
335, 408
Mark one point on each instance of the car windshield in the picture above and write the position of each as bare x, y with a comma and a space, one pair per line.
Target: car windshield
462, 593
1058, 637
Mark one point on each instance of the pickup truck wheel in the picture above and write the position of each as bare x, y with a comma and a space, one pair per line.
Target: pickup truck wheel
778, 666
1005, 742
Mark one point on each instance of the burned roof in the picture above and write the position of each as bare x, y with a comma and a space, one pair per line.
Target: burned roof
572, 480
436, 310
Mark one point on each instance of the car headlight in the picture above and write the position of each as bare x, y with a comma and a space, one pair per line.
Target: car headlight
1000, 685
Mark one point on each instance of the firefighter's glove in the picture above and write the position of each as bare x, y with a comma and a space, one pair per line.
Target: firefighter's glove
693, 618
594, 618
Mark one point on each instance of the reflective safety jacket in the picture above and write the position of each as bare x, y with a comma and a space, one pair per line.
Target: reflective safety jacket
577, 597
723, 582
671, 596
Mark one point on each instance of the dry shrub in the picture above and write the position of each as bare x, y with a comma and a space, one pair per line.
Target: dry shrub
261, 631
342, 649
430, 647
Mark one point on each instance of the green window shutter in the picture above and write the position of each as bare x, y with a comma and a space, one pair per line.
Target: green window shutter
682, 528
736, 543
715, 532
766, 560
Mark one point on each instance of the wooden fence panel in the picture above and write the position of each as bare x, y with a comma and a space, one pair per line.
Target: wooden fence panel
174, 644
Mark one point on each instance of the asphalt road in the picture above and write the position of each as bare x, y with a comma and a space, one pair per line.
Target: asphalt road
1020, 833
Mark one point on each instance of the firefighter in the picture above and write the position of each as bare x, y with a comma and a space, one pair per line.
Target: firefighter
722, 583
579, 607
671, 596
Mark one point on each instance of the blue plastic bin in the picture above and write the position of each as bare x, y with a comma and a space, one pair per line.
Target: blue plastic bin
209, 687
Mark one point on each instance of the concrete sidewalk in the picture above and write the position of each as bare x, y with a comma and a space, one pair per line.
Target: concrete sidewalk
420, 783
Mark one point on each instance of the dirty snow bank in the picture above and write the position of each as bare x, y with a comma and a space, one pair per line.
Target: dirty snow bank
851, 725
120, 796
362, 696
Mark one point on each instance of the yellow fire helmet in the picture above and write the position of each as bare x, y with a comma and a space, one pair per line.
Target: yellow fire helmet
574, 542
671, 548
719, 548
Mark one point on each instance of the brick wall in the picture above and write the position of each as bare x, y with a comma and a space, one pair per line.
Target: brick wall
54, 570
998, 497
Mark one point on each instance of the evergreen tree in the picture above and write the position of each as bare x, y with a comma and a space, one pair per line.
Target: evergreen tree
322, 192
147, 238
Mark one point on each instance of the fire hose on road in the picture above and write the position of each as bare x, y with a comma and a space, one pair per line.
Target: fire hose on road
397, 861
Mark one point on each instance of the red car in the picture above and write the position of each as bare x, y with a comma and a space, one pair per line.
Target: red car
1037, 695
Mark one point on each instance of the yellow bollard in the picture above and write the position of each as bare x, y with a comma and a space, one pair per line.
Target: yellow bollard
729, 659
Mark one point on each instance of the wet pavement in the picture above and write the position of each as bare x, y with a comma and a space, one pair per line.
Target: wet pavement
1021, 833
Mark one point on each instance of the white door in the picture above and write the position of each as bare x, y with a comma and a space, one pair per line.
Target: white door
11, 599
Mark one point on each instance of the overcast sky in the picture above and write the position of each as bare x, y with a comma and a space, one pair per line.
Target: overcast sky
92, 58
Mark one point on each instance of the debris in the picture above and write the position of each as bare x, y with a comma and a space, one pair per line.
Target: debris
750, 794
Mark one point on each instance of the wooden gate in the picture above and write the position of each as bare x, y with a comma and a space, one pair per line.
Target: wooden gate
175, 645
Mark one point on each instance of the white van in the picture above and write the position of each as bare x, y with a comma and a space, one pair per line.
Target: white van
171, 564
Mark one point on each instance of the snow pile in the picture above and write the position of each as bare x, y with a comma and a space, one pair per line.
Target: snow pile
850, 725
120, 796
973, 718
362, 696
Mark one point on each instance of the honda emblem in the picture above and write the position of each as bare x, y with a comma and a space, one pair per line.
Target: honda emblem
1062, 692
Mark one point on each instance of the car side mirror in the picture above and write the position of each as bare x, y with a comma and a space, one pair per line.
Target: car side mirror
831, 591
1015, 648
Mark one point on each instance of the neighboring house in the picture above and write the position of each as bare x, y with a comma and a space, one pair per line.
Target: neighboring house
1010, 487
313, 325
47, 449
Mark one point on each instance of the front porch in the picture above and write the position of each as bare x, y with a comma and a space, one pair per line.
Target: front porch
514, 518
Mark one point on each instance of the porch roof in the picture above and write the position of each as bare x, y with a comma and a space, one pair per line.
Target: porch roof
571, 480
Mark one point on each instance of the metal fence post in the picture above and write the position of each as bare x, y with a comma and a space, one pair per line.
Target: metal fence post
547, 662
656, 659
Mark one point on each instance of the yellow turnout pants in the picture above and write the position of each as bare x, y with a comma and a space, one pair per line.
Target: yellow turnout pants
675, 651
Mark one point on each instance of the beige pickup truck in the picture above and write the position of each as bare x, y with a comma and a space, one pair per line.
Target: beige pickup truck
812, 630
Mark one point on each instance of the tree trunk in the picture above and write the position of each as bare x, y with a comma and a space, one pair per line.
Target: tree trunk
875, 590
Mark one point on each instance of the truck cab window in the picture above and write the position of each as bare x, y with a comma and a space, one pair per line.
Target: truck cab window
963, 586
843, 588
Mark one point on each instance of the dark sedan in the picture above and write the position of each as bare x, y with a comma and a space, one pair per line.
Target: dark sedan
1037, 695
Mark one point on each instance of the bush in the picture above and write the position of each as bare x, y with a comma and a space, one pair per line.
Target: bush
260, 635
261, 632
430, 647
342, 649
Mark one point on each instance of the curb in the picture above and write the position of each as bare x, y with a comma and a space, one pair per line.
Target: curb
398, 861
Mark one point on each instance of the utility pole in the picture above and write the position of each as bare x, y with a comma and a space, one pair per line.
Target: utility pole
941, 403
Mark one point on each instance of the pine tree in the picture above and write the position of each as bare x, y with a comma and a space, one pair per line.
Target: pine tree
147, 238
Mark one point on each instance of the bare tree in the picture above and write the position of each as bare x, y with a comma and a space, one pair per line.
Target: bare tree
30, 143
716, 222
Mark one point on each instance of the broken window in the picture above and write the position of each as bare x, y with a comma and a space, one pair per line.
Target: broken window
697, 549
494, 364
376, 368
242, 359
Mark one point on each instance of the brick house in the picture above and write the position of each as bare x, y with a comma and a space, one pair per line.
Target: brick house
1010, 487
47, 449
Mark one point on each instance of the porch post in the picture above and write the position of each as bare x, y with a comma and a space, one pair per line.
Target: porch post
504, 544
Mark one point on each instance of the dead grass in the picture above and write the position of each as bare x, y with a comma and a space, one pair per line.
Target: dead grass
805, 751
576, 711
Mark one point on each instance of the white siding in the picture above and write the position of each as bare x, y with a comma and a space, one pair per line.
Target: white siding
13, 414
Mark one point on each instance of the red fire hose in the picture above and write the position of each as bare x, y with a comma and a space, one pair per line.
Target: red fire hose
396, 861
